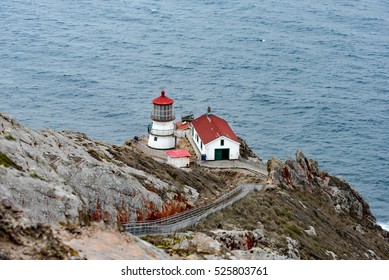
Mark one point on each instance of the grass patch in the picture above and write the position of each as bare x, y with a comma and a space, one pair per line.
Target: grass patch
294, 231
9, 137
7, 162
163, 242
36, 176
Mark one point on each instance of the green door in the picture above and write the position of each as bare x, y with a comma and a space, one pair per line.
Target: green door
218, 154
222, 154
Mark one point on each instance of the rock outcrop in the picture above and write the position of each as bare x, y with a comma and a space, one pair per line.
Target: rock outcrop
246, 152
239, 240
25, 240
303, 213
21, 239
303, 173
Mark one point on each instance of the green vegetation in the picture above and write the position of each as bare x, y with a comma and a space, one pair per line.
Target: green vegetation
286, 213
164, 242
294, 231
36, 176
7, 162
9, 137
206, 183
170, 243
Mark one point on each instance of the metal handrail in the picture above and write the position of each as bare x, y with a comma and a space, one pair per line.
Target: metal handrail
189, 217
194, 209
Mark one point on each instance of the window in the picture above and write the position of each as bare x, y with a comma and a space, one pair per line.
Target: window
201, 144
197, 138
222, 142
155, 138
163, 112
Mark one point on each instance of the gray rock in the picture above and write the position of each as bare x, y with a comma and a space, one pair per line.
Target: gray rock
293, 252
311, 231
359, 229
331, 254
258, 254
373, 255
183, 245
205, 245
64, 177
239, 240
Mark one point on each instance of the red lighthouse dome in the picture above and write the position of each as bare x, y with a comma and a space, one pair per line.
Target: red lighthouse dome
163, 108
163, 100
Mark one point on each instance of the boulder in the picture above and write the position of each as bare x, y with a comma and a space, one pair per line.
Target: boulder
239, 240
311, 231
293, 252
205, 245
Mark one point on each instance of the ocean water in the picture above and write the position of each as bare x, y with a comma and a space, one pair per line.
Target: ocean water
287, 75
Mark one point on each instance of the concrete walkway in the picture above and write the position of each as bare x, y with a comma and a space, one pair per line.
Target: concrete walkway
259, 168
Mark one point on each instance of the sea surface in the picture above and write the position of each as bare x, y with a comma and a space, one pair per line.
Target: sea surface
287, 75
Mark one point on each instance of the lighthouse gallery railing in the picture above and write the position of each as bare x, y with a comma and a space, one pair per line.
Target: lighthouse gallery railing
159, 132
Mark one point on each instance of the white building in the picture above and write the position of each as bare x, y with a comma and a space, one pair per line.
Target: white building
161, 130
178, 158
214, 138
181, 128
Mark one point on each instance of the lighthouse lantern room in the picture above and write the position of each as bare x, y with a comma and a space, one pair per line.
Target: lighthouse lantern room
161, 130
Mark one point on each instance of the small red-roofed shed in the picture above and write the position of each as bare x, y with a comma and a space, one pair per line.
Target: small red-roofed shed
181, 128
178, 158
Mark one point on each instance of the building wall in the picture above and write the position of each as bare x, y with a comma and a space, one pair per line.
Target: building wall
181, 133
178, 162
196, 138
216, 144
209, 148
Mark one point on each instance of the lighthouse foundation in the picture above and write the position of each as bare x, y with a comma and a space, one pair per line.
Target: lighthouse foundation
161, 142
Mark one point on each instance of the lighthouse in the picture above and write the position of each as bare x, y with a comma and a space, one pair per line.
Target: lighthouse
161, 130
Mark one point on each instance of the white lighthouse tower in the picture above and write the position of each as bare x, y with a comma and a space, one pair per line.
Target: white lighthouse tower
161, 130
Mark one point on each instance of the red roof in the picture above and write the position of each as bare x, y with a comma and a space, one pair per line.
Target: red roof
182, 126
178, 153
163, 100
210, 127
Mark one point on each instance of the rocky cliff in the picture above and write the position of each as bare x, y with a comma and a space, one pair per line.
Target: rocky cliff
67, 192
304, 213
65, 177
